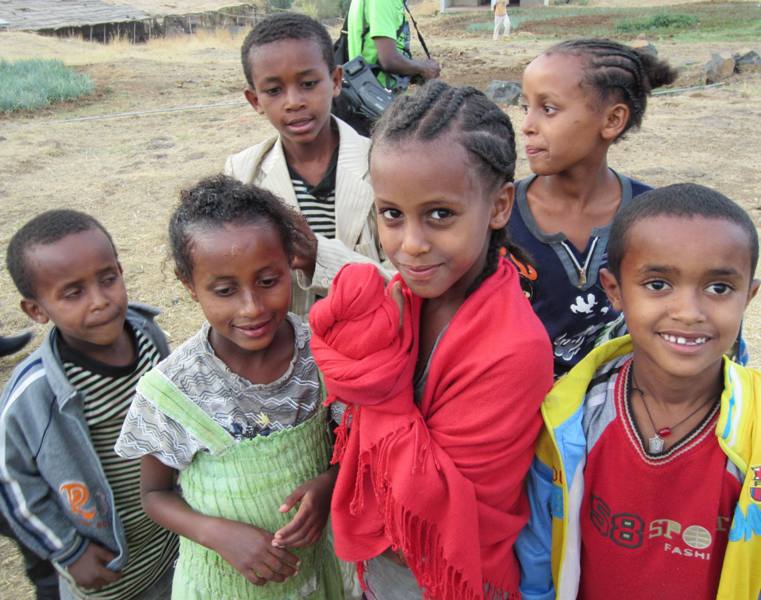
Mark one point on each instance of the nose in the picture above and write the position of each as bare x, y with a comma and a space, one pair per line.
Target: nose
414, 241
251, 306
687, 307
294, 98
528, 126
98, 298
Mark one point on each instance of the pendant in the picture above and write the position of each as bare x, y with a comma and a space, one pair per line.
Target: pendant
582, 279
655, 444
664, 432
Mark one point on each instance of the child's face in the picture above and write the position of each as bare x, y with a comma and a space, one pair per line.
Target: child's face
683, 287
565, 124
242, 280
79, 287
293, 88
434, 214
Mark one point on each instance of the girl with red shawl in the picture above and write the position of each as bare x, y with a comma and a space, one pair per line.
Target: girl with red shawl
443, 372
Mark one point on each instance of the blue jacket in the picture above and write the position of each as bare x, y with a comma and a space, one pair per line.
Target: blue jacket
53, 490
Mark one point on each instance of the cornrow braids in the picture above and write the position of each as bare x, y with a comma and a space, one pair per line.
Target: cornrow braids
216, 201
618, 72
286, 26
485, 131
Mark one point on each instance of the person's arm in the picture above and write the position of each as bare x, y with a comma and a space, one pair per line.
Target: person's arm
392, 61
313, 498
247, 548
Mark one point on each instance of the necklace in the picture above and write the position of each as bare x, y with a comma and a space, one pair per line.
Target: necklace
656, 443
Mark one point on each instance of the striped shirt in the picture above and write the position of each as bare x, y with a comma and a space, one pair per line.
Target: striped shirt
108, 393
318, 203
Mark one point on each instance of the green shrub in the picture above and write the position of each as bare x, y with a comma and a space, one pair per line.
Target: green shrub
659, 21
280, 4
30, 84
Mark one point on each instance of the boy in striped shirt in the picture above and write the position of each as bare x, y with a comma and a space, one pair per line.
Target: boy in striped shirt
63, 489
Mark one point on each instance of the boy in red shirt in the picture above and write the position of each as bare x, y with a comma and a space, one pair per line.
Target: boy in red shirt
646, 482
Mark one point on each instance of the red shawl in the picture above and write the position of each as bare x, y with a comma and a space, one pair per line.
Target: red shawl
441, 481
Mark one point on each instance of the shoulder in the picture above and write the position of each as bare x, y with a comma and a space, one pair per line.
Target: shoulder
637, 187
28, 389
187, 356
142, 317
243, 164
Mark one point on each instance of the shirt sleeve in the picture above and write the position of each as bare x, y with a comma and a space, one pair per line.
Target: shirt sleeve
384, 17
147, 430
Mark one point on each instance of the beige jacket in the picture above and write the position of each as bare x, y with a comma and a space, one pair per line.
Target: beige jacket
356, 231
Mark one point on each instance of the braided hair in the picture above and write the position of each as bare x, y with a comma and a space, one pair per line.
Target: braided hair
286, 26
619, 73
485, 131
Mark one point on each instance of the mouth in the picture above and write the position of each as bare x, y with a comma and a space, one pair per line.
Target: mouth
254, 330
105, 322
300, 125
685, 341
419, 272
533, 151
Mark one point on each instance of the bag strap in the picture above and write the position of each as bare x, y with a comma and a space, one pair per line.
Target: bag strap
414, 24
170, 400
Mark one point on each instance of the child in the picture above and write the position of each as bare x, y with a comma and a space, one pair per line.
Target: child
501, 18
651, 462
442, 411
316, 163
236, 411
579, 97
68, 497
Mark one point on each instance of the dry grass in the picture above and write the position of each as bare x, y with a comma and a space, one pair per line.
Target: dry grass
127, 171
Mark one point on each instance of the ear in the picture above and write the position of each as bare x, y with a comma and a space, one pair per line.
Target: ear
616, 117
188, 285
612, 288
753, 290
35, 311
503, 205
337, 78
253, 99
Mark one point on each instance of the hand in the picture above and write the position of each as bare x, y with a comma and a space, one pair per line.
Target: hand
250, 550
304, 248
398, 296
307, 524
430, 69
90, 570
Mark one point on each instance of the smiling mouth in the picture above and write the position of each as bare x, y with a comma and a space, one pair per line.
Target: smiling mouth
684, 341
300, 123
254, 330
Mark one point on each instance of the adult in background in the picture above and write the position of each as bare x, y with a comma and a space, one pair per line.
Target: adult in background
501, 18
379, 31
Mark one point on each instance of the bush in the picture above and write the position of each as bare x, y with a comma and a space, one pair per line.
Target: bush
30, 84
660, 21
322, 9
279, 4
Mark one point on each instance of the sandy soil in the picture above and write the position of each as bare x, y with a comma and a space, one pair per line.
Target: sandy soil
127, 169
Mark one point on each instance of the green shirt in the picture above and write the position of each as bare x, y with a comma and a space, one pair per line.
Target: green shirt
377, 18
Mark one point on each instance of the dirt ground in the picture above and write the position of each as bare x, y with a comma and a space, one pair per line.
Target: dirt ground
168, 113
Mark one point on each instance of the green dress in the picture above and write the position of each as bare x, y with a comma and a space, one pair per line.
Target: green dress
246, 481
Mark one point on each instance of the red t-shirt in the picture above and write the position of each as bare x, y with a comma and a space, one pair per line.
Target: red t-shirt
654, 527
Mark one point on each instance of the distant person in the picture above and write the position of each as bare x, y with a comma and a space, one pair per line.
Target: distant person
580, 97
316, 163
501, 18
236, 412
64, 491
647, 479
378, 31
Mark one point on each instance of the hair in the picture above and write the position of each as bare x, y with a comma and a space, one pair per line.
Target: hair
483, 130
683, 200
216, 201
618, 73
286, 26
46, 228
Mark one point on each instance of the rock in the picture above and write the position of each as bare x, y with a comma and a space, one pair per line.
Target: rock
504, 92
747, 61
645, 47
721, 66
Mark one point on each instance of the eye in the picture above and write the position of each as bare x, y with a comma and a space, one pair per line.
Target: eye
224, 291
268, 282
657, 285
273, 91
310, 84
549, 110
719, 289
389, 214
524, 108
109, 279
72, 293
439, 214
